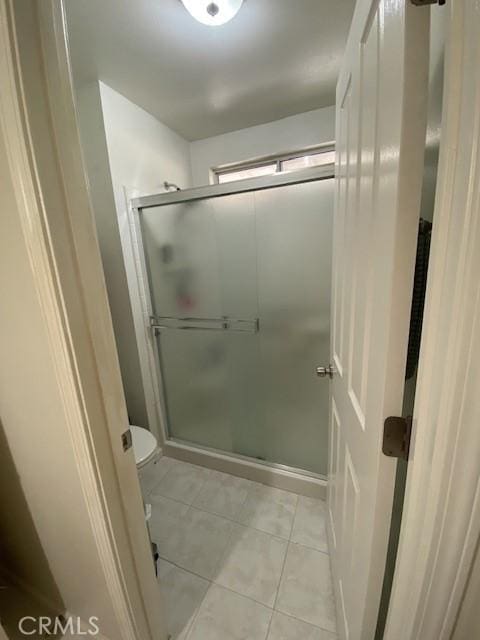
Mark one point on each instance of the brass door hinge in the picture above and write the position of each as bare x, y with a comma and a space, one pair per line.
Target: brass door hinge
127, 440
421, 3
396, 437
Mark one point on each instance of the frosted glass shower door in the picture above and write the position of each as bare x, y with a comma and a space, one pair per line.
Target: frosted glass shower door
240, 286
294, 240
201, 262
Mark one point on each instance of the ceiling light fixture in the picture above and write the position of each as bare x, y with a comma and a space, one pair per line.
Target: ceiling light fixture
213, 13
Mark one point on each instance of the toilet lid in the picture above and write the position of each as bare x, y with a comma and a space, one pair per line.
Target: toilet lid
143, 442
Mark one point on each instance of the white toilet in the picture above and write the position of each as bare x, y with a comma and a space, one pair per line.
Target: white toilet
145, 447
147, 453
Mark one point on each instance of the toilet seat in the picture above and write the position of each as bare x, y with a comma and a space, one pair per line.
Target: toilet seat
144, 445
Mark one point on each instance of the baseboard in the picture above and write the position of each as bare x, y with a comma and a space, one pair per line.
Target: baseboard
305, 485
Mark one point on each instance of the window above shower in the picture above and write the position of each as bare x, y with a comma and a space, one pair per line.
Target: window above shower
281, 163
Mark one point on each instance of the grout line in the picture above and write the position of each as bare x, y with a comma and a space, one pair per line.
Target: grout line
305, 546
269, 624
294, 518
218, 515
161, 495
283, 568
315, 626
177, 566
223, 552
221, 586
217, 584
196, 575
293, 521
160, 479
266, 533
247, 495
242, 595
284, 559
237, 523
194, 618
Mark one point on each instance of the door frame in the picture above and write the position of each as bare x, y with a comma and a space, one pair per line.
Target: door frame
421, 582
441, 517
38, 120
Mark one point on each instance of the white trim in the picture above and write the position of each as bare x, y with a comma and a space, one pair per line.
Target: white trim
274, 158
40, 129
274, 476
441, 518
139, 291
133, 257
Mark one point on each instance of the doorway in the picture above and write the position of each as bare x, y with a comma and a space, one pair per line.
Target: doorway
406, 584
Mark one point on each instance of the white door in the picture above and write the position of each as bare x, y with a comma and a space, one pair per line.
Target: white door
381, 115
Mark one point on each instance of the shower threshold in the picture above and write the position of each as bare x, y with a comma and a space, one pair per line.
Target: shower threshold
281, 476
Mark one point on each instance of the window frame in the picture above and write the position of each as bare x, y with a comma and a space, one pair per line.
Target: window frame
278, 159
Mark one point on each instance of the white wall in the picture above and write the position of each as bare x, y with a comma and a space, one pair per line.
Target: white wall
94, 144
46, 539
143, 152
125, 147
294, 132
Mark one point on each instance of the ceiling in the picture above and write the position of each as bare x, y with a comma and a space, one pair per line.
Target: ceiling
274, 59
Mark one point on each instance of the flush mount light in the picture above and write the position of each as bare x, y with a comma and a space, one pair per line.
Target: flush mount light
213, 13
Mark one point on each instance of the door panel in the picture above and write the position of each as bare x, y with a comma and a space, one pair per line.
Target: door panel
381, 114
201, 260
294, 227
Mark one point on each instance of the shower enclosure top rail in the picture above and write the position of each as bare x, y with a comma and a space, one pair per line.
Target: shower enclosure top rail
310, 174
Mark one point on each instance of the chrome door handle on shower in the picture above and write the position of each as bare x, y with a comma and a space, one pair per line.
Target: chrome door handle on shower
324, 372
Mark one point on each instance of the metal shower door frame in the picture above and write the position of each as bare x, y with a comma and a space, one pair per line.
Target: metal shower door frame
310, 174
153, 369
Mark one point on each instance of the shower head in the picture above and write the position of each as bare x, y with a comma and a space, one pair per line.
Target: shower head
168, 186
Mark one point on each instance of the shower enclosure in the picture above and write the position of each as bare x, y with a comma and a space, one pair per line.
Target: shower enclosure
239, 280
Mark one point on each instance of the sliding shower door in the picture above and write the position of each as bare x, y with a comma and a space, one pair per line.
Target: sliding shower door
240, 289
201, 258
294, 240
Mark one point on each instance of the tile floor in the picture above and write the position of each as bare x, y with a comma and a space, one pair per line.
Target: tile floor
239, 560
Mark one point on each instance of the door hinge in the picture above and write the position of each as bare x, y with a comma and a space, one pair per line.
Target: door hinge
127, 440
421, 3
396, 437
